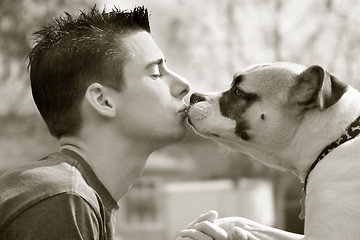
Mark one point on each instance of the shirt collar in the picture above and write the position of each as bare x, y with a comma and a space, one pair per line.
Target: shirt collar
93, 181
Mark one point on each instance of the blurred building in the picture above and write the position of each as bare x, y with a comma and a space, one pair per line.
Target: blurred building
157, 207
179, 184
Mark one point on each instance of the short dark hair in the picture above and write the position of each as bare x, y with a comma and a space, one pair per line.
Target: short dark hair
74, 52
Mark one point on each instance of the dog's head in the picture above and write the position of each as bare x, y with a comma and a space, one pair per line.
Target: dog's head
264, 105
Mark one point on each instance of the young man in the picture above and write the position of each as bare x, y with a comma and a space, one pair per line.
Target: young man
103, 88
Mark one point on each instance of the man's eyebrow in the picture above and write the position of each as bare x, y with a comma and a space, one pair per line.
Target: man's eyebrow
155, 62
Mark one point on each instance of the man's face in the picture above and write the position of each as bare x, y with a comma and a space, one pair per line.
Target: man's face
150, 107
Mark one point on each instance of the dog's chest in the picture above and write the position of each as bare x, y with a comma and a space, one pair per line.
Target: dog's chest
333, 196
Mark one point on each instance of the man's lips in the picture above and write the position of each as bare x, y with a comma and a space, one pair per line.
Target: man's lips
183, 108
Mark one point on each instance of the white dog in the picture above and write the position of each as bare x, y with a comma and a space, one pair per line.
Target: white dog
301, 119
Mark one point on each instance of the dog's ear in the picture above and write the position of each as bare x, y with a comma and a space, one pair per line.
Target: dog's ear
317, 87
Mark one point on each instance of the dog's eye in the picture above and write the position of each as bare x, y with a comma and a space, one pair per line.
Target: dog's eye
238, 92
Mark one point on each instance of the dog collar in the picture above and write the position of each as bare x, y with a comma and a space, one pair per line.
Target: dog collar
351, 132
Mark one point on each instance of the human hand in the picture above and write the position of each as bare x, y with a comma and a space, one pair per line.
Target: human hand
203, 228
235, 228
239, 228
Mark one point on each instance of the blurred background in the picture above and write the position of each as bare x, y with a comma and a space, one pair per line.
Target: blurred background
206, 41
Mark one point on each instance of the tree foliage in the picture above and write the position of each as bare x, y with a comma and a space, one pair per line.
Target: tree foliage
18, 20
206, 41
211, 40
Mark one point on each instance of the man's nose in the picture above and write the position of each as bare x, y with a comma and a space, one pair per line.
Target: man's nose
180, 87
197, 97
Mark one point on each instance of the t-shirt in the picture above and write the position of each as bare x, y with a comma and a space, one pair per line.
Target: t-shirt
58, 197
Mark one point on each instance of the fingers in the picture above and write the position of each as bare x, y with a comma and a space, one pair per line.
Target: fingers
212, 230
205, 229
209, 216
184, 238
239, 234
208, 231
193, 234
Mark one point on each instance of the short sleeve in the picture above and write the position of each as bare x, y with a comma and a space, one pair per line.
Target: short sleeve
63, 216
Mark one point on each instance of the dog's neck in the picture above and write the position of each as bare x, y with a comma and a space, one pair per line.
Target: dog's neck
319, 129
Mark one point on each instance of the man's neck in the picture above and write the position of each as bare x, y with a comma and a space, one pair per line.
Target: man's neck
118, 167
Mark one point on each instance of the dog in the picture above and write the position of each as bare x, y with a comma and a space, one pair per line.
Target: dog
295, 118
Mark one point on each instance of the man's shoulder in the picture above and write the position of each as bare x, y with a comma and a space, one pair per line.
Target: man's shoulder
56, 172
27, 185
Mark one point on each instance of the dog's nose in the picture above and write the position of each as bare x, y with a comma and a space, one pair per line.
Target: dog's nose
197, 97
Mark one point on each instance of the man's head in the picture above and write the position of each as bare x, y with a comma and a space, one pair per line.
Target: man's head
74, 52
104, 72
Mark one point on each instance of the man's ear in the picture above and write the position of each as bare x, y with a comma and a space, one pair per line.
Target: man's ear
98, 98
317, 87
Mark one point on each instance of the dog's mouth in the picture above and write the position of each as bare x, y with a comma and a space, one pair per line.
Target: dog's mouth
196, 113
201, 133
189, 121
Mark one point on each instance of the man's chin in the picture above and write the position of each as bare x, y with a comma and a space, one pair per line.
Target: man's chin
180, 133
